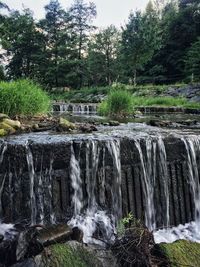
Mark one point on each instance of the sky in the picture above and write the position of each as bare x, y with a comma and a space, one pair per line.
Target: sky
108, 11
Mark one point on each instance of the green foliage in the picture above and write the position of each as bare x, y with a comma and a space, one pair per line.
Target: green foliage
159, 45
118, 103
163, 101
193, 61
182, 253
140, 40
22, 97
128, 222
102, 56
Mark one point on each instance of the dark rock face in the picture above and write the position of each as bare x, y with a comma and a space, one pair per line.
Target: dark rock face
191, 92
36, 186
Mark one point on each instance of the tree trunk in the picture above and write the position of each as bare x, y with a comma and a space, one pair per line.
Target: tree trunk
135, 78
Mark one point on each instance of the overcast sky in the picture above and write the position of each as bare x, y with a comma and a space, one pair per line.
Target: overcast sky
109, 11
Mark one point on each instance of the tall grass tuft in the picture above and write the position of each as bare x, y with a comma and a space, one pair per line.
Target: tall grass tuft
118, 103
23, 97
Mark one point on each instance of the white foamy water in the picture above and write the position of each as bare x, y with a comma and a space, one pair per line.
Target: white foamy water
7, 230
93, 221
188, 231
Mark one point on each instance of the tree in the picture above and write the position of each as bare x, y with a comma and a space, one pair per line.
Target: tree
192, 62
139, 41
82, 15
54, 28
20, 40
102, 56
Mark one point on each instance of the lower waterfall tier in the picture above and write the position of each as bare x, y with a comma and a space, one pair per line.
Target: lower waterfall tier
59, 178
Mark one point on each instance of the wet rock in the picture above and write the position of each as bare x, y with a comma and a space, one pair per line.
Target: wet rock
54, 234
159, 123
1, 238
7, 252
114, 123
87, 128
27, 244
77, 234
26, 263
32, 241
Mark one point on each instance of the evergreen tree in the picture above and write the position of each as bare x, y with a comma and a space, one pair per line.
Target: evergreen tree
82, 15
140, 39
54, 28
193, 61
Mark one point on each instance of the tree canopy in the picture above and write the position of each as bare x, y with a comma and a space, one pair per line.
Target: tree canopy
65, 49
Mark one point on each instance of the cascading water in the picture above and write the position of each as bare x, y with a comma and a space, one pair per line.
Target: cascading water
94, 217
31, 171
102, 177
155, 152
189, 231
6, 230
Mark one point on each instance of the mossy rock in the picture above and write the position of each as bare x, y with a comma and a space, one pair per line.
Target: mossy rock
15, 124
3, 116
182, 253
66, 255
7, 128
66, 125
2, 132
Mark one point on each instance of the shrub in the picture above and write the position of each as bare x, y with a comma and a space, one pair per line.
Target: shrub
23, 97
118, 102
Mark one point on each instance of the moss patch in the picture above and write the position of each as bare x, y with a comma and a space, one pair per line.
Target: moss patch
182, 253
67, 256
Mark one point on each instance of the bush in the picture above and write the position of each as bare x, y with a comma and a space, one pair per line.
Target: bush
118, 103
22, 97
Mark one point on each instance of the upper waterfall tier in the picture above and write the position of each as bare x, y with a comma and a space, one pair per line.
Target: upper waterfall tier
48, 178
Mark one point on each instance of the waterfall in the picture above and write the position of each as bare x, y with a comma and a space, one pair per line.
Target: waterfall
192, 146
31, 172
76, 108
164, 174
94, 217
155, 154
189, 231
75, 175
3, 148
7, 230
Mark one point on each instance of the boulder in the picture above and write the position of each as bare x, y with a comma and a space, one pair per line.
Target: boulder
181, 253
54, 234
3, 116
114, 123
12, 123
7, 128
65, 125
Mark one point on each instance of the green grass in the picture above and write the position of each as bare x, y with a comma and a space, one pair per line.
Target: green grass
164, 102
118, 103
23, 97
182, 253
